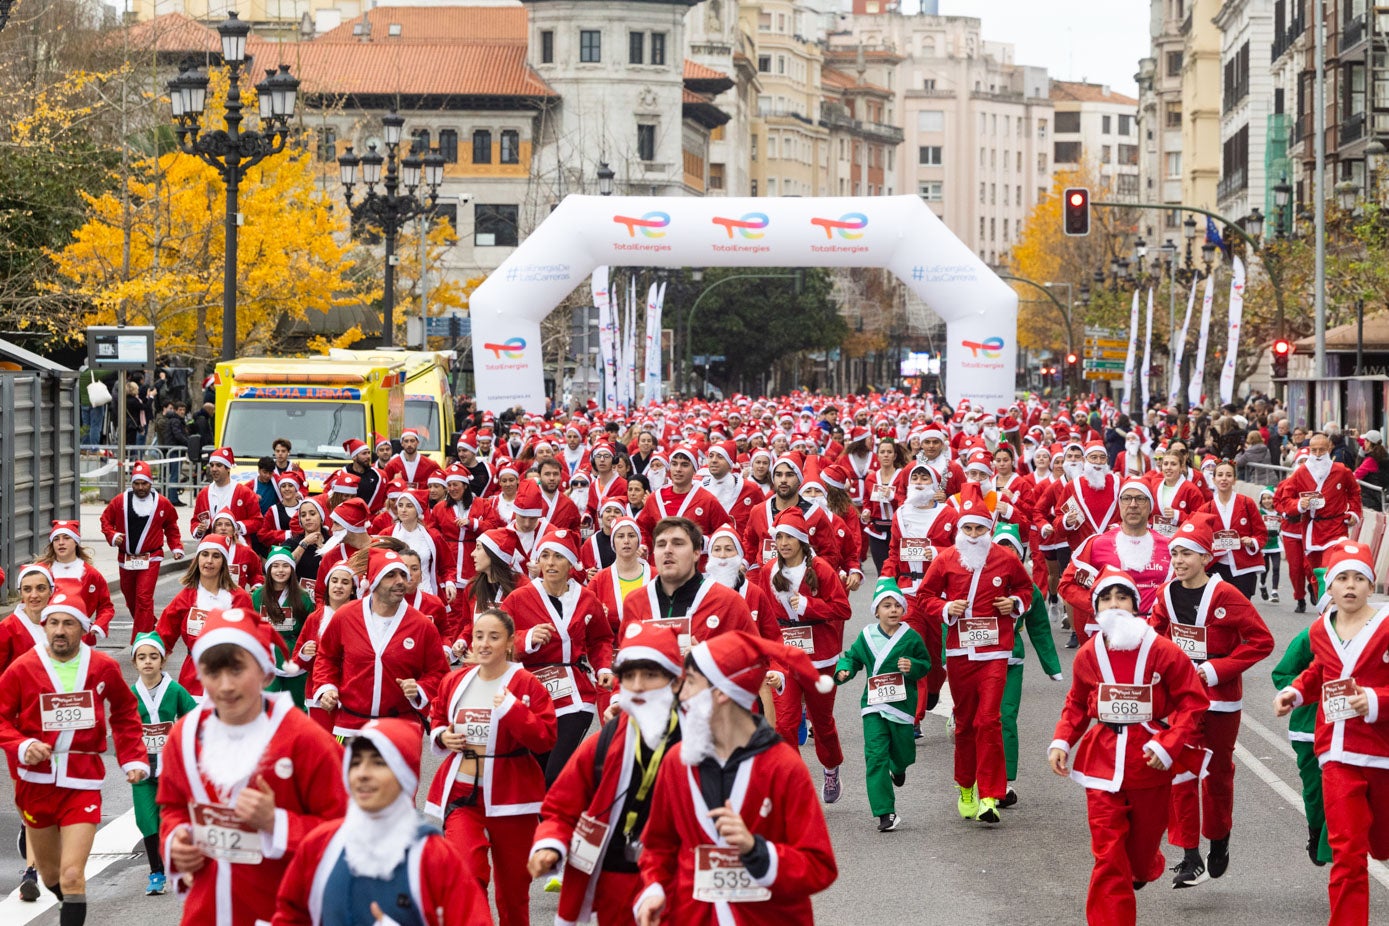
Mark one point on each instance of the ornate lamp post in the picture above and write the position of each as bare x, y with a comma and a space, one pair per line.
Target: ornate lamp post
391, 209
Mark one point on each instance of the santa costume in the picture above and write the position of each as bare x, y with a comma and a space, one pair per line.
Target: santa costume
237, 497
139, 529
185, 617
80, 579
414, 473
19, 632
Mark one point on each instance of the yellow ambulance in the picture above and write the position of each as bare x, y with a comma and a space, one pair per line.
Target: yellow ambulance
428, 395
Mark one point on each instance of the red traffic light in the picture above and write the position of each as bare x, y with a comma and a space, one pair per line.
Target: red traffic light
1071, 358
1076, 206
1077, 198
1282, 347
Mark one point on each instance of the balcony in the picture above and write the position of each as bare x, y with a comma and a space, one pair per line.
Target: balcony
1353, 128
1353, 34
1237, 181
833, 118
1235, 94
1282, 43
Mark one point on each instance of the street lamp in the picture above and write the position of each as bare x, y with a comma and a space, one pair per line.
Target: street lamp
1255, 223
605, 179
232, 152
391, 210
1346, 192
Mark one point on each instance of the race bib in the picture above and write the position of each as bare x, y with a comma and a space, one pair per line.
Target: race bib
197, 617
1165, 527
1335, 700
136, 562
556, 681
1314, 500
307, 587
881, 493
474, 725
768, 549
1125, 703
220, 835
67, 711
680, 626
586, 846
1225, 541
1273, 522
721, 877
802, 638
913, 549
237, 570
286, 625
1189, 639
887, 688
978, 631
155, 736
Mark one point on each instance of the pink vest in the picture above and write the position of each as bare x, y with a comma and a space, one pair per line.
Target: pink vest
1103, 553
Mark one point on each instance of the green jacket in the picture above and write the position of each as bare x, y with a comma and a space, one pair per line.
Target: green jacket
1302, 722
171, 701
289, 631
1038, 627
878, 654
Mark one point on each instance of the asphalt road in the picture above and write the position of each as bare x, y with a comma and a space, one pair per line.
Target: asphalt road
936, 869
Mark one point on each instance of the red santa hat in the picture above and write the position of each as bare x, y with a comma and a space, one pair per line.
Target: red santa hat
529, 503
507, 467
686, 452
381, 441
648, 642
732, 535
795, 460
352, 515
457, 472
217, 544
225, 514
1193, 535
979, 461
420, 497
1092, 446
727, 449
409, 432
395, 489
345, 483
380, 563
76, 604
141, 472
1110, 576
37, 569
71, 529
292, 476
354, 446
792, 522
973, 509
1137, 485
737, 664
1349, 556
502, 545
224, 456
562, 541
835, 475
856, 433
468, 440
318, 503
240, 628
398, 741
626, 521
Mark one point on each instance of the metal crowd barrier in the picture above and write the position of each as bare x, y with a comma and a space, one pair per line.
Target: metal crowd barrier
100, 462
1271, 474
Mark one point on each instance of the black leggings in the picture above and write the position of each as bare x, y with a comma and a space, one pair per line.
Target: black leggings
1272, 562
878, 548
572, 730
1247, 583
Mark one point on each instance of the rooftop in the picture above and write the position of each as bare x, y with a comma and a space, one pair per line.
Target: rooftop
1079, 92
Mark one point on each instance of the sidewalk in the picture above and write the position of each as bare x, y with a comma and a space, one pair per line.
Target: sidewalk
104, 555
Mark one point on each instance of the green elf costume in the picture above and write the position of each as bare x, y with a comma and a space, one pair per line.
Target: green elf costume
289, 623
1302, 723
888, 704
158, 707
1038, 627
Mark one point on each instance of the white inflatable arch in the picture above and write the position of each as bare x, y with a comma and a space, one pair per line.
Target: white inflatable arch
896, 232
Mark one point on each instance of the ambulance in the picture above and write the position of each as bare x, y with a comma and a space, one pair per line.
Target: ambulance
315, 402
428, 396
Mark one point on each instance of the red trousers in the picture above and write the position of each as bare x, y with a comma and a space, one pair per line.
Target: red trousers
977, 689
1299, 573
1125, 838
820, 709
509, 838
1206, 808
138, 588
615, 896
932, 632
1357, 824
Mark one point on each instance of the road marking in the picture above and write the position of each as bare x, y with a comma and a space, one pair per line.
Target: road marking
1378, 871
112, 844
1278, 742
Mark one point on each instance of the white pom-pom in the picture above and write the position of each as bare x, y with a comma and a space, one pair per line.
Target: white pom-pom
824, 684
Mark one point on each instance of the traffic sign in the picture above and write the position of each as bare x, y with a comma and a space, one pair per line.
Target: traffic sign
1109, 375
1107, 342
1093, 331
1107, 355
441, 326
1104, 365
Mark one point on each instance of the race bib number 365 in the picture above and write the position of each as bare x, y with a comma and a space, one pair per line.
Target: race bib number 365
720, 876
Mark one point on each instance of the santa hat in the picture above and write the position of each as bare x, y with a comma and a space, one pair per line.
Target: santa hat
732, 535
382, 562
835, 475
795, 460
352, 515
616, 503
71, 529
649, 642
345, 483
502, 545
561, 541
75, 604
1110, 576
727, 449
601, 447
381, 441
35, 569
225, 514
398, 741
736, 663
979, 461
468, 440
318, 503
141, 472
506, 466
686, 452
792, 523
150, 639
885, 589
435, 480
1095, 445
580, 476
410, 432
933, 433
457, 472
973, 510
420, 497
529, 503
354, 446
1137, 485
1193, 535
240, 628
291, 476
1011, 535
856, 433
626, 521
216, 543
1349, 556
224, 456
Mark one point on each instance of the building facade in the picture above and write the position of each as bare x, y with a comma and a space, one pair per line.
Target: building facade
1246, 103
1097, 129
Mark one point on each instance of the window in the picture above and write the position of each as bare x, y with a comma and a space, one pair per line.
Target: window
511, 147
1174, 164
1106, 154
482, 146
981, 228
590, 46
764, 24
1005, 231
1126, 125
753, 189
1353, 91
1174, 64
419, 142
993, 194
771, 186
1067, 152
1106, 123
636, 47
1174, 116
1017, 196
1041, 130
764, 64
327, 143
930, 120
547, 46
932, 191
1042, 163
1068, 122
494, 226
646, 142
983, 193
448, 145
658, 48
928, 83
929, 155
1128, 186
1128, 155
753, 150
716, 176
780, 69
1236, 79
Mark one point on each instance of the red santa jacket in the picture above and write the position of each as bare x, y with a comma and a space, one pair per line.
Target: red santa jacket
364, 679
861, 470
737, 496
84, 581
1362, 741
244, 505
883, 500
1143, 465
415, 475
1241, 516
1102, 550
433, 607
442, 887
76, 760
1227, 639
579, 631
513, 784
760, 607
460, 525
1109, 757
950, 475
277, 526
824, 611
160, 528
18, 635
1001, 576
1097, 509
608, 587
301, 763
173, 626
776, 799
925, 531
699, 505
599, 493
1185, 499
1044, 513
560, 512
246, 567
716, 609
432, 551
1340, 505
823, 538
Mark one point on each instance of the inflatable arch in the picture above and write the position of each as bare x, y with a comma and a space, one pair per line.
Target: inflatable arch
899, 233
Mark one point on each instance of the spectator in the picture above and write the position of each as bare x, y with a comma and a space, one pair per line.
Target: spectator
265, 487
135, 419
203, 425
1115, 437
176, 418
1255, 453
1226, 439
1374, 470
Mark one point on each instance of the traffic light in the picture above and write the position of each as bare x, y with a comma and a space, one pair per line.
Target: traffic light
1071, 359
1282, 350
1076, 202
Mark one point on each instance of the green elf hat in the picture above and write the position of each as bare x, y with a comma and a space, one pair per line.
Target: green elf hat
887, 588
1267, 490
148, 639
1009, 534
277, 554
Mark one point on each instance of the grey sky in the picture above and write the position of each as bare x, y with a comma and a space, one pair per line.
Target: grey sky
1096, 40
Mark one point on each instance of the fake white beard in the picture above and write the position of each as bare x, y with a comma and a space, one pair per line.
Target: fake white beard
987, 485
1029, 454
971, 429
1095, 475
652, 715
723, 570
1073, 468
230, 753
920, 496
579, 497
1319, 467
696, 733
375, 843
657, 478
991, 435
1122, 629
973, 551
819, 501
1135, 553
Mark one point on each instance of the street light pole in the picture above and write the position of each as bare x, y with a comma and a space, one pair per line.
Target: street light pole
232, 152
1319, 187
688, 377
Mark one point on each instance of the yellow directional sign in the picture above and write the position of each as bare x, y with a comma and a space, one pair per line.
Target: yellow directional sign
1106, 342
1106, 354
1112, 375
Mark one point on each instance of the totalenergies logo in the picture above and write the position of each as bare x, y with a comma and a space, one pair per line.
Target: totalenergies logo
991, 347
508, 350
749, 225
850, 225
650, 224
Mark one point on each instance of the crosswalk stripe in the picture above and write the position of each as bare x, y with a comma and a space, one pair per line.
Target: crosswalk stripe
112, 843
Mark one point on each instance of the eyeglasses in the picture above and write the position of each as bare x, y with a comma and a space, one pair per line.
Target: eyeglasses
1132, 499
